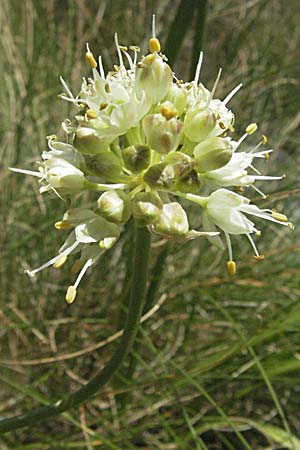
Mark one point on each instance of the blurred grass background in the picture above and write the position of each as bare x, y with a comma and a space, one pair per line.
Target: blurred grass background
218, 365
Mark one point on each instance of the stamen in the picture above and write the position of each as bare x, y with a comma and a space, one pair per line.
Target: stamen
101, 69
71, 294
60, 261
26, 172
91, 114
232, 93
214, 87
107, 243
264, 196
82, 272
229, 246
255, 170
239, 142
66, 88
62, 225
153, 26
32, 273
119, 51
154, 45
279, 216
257, 255
198, 68
90, 57
264, 139
251, 128
130, 62
231, 268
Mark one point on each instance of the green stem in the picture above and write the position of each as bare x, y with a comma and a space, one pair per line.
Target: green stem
136, 304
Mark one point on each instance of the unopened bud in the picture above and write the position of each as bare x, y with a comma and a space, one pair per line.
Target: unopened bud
172, 222
212, 154
160, 176
199, 124
136, 157
88, 141
162, 135
115, 206
153, 77
146, 208
177, 96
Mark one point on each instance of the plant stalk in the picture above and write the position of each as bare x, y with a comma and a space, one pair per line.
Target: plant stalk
136, 304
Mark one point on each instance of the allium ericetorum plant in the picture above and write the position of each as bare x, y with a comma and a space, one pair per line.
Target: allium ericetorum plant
145, 139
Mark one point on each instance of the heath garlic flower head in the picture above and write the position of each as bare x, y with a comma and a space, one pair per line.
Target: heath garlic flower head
144, 139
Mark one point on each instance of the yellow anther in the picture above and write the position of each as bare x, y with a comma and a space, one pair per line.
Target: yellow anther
148, 60
60, 261
231, 268
278, 216
91, 60
134, 48
258, 233
221, 125
251, 128
123, 47
154, 45
258, 257
71, 294
291, 226
107, 88
168, 113
240, 189
61, 96
264, 139
231, 128
62, 225
102, 106
51, 137
91, 114
267, 156
77, 265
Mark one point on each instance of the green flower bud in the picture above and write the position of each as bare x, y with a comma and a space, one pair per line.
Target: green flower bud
172, 222
154, 77
136, 157
88, 141
115, 206
160, 176
178, 97
185, 177
162, 135
104, 165
198, 124
146, 208
182, 163
188, 184
212, 154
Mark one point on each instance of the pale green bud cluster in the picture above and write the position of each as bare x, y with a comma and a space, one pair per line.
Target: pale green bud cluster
144, 139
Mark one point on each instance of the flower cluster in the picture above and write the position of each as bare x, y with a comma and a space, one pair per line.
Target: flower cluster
144, 139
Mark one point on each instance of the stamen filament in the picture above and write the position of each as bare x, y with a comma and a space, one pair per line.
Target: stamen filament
198, 68
82, 272
232, 93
